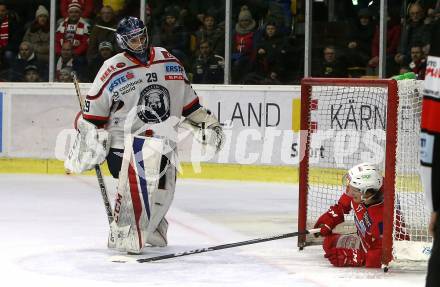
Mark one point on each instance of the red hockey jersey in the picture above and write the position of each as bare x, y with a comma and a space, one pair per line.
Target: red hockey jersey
369, 225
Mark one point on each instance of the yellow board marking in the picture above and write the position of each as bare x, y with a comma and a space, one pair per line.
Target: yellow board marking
296, 115
264, 173
285, 174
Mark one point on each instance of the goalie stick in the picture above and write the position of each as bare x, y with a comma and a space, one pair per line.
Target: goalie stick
101, 183
124, 259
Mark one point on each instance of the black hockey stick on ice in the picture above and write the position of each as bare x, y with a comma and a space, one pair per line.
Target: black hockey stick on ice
123, 259
101, 183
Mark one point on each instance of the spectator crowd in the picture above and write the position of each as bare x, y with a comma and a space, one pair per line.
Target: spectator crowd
267, 41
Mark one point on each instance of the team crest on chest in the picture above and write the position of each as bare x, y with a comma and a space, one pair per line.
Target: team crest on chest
154, 104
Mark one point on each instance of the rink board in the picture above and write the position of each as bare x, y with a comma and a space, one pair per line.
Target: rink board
261, 122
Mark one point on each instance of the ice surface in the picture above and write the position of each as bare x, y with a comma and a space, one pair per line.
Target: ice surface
54, 232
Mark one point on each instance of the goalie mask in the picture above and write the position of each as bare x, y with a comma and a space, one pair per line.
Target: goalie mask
364, 177
131, 35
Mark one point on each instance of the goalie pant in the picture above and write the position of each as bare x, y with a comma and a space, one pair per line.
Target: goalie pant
368, 242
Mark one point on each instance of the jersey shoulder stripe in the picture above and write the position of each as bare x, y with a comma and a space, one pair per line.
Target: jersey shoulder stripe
191, 107
158, 55
161, 55
95, 118
99, 93
112, 65
110, 69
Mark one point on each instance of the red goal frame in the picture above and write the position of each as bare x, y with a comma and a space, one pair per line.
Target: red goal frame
390, 152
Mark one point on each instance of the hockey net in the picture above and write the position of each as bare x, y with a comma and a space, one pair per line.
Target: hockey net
349, 121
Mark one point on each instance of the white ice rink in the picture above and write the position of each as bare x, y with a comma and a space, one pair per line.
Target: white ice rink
54, 233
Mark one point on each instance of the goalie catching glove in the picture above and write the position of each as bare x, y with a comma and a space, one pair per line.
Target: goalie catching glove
90, 147
205, 128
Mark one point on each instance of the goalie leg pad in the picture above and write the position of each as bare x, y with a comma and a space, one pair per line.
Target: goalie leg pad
160, 204
159, 236
138, 184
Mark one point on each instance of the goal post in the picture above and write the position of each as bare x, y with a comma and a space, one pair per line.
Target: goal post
350, 121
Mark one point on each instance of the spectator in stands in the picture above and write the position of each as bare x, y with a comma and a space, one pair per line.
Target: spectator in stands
105, 52
191, 12
270, 57
359, 44
428, 5
4, 71
73, 29
393, 40
65, 75
173, 36
31, 74
332, 66
10, 33
415, 31
244, 33
211, 33
68, 59
98, 34
207, 67
25, 57
432, 12
242, 46
116, 5
285, 6
87, 8
200, 8
278, 13
38, 34
418, 61
258, 8
434, 46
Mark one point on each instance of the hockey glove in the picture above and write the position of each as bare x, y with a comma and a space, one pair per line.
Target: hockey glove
341, 257
214, 137
205, 128
329, 220
90, 148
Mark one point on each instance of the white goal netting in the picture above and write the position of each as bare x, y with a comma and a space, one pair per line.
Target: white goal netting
347, 126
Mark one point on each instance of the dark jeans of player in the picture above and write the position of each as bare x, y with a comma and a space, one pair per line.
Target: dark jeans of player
114, 161
433, 277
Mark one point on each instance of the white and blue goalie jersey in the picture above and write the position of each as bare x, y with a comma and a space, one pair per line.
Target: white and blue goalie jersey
131, 97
